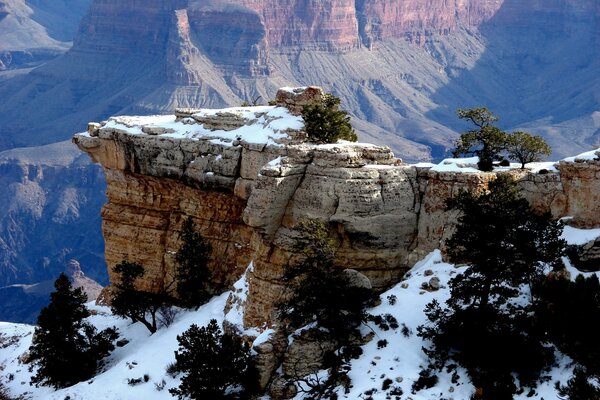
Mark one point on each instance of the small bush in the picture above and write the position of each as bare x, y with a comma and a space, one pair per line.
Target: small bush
214, 365
426, 380
326, 123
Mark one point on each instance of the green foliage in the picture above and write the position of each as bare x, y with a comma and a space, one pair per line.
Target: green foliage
565, 310
65, 348
322, 293
326, 123
214, 365
486, 141
139, 306
483, 326
580, 387
192, 276
326, 296
526, 148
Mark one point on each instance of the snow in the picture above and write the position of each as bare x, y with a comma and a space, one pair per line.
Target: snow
457, 165
262, 124
588, 155
579, 236
144, 354
469, 165
401, 360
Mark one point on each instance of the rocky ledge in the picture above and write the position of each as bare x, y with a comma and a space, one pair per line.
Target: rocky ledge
246, 176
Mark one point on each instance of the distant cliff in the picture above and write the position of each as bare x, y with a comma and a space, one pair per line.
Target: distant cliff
401, 67
47, 199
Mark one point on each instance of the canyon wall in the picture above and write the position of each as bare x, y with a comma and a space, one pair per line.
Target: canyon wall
246, 192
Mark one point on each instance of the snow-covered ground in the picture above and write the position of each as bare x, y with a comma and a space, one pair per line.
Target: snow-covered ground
261, 124
469, 164
399, 361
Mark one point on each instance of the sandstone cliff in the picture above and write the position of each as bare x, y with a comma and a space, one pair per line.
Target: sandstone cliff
246, 177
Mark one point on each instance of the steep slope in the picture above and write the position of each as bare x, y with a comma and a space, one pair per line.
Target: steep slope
46, 197
33, 31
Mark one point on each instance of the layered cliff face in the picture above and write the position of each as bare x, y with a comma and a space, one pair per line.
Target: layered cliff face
34, 31
140, 58
246, 177
45, 220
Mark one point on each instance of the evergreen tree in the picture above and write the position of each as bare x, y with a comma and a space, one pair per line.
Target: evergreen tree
322, 293
565, 310
326, 123
139, 306
214, 365
192, 276
484, 326
65, 348
526, 148
486, 141
581, 386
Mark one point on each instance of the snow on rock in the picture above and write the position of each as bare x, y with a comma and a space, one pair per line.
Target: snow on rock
269, 125
579, 237
457, 165
400, 360
588, 155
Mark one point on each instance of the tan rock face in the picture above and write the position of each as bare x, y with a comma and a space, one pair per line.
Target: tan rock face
581, 183
143, 218
246, 197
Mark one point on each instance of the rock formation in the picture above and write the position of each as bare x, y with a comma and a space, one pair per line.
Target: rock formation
48, 198
246, 176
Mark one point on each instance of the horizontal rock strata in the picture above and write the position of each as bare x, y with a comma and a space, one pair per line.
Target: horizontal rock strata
246, 196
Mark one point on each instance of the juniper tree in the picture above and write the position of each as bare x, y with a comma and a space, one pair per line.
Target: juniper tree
325, 123
192, 276
65, 348
486, 141
322, 293
486, 324
129, 302
526, 148
214, 365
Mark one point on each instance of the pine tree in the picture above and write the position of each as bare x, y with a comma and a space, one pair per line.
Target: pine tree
322, 293
139, 306
482, 326
192, 276
326, 123
214, 365
65, 348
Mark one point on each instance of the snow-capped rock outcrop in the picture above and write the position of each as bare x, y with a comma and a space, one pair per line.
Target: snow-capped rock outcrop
246, 177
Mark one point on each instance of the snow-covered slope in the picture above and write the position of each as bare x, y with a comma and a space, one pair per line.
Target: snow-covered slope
148, 355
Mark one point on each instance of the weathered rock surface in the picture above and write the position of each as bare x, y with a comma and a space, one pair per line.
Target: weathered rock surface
246, 196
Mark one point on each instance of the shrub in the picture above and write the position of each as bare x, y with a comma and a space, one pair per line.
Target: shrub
214, 365
326, 123
580, 387
65, 348
564, 310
